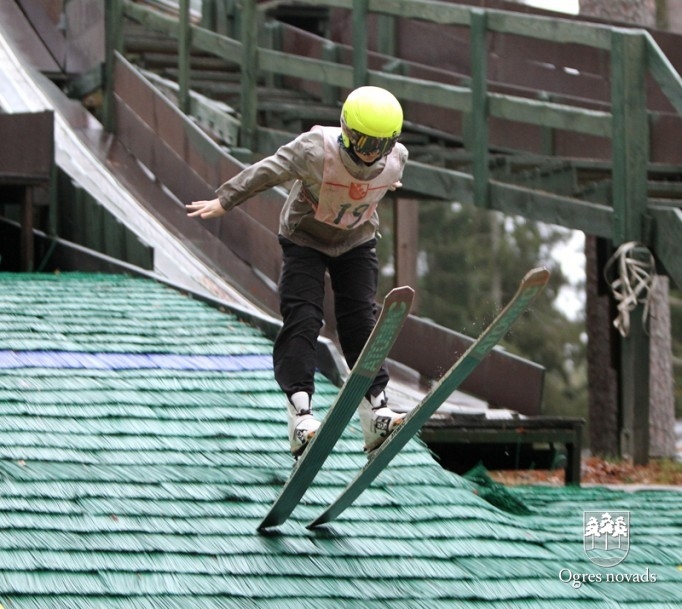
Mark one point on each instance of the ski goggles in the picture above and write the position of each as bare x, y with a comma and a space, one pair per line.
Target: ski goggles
367, 144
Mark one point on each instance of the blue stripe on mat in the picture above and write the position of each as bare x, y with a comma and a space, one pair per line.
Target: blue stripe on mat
132, 361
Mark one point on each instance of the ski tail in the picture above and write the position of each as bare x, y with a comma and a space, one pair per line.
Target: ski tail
393, 314
531, 285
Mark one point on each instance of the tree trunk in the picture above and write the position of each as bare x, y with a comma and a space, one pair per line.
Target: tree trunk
661, 387
602, 378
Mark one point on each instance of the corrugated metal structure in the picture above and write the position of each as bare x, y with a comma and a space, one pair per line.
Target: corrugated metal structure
143, 438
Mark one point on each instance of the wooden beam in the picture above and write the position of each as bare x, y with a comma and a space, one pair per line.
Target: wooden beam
250, 63
360, 49
512, 199
406, 244
540, 206
113, 19
664, 72
184, 57
479, 107
630, 136
630, 159
667, 227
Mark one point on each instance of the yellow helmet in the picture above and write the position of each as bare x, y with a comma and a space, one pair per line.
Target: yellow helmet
371, 120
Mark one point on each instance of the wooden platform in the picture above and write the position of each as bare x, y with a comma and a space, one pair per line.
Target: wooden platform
462, 441
26, 163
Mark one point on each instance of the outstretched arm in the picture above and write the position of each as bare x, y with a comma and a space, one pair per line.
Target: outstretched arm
290, 162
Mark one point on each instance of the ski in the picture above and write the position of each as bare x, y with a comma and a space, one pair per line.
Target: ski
531, 285
393, 314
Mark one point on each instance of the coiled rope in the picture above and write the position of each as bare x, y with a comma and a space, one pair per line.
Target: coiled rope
630, 273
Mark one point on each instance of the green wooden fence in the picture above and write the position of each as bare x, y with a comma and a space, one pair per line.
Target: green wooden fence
634, 56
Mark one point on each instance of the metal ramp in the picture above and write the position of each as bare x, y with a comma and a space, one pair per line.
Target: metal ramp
23, 89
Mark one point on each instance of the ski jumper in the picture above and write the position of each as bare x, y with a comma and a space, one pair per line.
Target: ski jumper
328, 223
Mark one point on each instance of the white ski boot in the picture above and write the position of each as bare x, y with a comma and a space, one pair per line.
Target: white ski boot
302, 424
377, 420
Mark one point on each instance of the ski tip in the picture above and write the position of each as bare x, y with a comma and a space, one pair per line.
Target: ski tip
536, 277
403, 293
402, 297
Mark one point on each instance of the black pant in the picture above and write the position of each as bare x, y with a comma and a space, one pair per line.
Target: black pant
354, 276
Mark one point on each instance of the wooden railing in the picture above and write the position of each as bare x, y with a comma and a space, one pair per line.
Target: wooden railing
633, 55
623, 119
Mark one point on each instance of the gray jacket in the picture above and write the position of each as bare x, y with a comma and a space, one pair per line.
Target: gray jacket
302, 160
